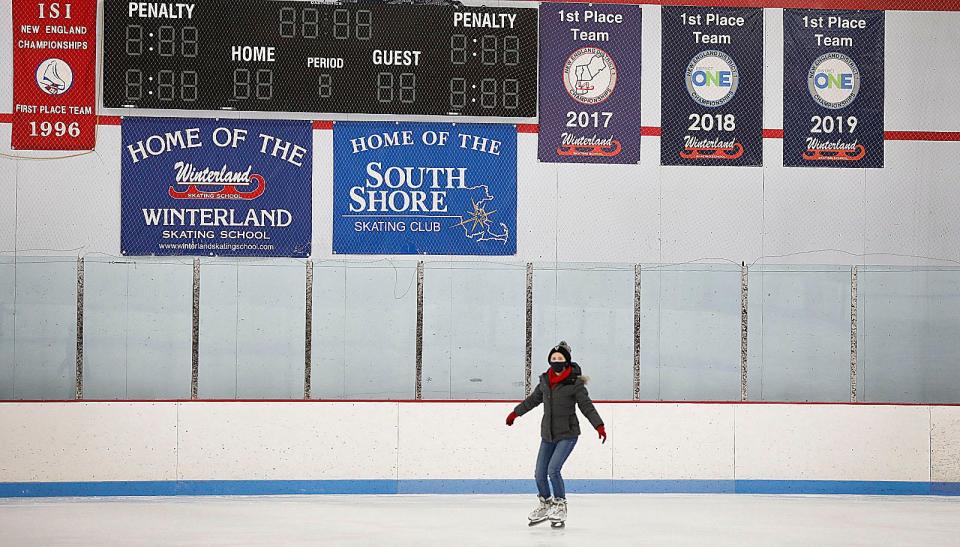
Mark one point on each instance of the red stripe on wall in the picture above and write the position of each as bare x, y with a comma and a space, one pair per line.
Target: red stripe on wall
653, 131
921, 135
645, 131
471, 401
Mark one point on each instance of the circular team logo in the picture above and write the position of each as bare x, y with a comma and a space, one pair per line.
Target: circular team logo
833, 80
712, 78
590, 75
54, 76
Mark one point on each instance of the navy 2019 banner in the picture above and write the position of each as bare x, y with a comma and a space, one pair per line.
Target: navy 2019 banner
711, 100
833, 88
215, 187
424, 188
589, 83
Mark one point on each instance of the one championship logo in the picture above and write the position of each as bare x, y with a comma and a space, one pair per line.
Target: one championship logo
712, 78
590, 75
54, 76
833, 80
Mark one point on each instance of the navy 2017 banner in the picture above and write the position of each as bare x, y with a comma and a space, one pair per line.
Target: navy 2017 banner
589, 83
711, 100
833, 88
424, 188
215, 187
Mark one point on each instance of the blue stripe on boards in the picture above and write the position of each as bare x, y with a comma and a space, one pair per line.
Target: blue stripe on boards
468, 486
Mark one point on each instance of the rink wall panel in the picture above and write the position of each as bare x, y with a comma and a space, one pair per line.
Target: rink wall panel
833, 442
483, 447
283, 441
59, 442
673, 442
945, 444
162, 448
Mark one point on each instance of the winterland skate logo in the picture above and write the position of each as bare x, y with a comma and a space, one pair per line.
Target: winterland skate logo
833, 80
54, 76
590, 75
220, 183
574, 145
712, 78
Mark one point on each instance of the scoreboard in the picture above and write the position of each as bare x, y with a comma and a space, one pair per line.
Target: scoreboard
297, 56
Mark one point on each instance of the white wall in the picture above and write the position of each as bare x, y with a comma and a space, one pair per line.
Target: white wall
644, 213
945, 444
287, 440
405, 441
89, 442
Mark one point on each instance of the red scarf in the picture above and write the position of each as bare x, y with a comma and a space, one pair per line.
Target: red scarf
555, 378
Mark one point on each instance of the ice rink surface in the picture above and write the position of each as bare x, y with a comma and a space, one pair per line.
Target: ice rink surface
621, 519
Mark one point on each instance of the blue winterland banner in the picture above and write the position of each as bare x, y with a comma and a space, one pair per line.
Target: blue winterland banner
589, 83
833, 88
424, 188
711, 78
215, 187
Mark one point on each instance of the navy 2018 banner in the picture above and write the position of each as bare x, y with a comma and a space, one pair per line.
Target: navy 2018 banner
833, 88
424, 188
589, 83
711, 100
215, 187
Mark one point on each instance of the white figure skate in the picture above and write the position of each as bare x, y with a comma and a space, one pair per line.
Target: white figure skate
540, 514
558, 513
51, 81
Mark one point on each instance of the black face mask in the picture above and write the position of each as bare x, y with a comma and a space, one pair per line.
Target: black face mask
558, 367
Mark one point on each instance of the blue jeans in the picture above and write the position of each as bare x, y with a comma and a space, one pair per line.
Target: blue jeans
549, 462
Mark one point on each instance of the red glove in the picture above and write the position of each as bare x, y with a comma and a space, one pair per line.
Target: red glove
511, 418
603, 433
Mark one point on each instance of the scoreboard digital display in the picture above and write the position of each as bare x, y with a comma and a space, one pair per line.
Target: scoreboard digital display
295, 56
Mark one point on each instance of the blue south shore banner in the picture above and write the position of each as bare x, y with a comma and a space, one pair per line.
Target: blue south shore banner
207, 187
424, 188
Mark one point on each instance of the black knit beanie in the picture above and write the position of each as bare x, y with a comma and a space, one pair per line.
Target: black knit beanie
563, 349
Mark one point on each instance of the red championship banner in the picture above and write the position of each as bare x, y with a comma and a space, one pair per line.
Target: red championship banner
54, 74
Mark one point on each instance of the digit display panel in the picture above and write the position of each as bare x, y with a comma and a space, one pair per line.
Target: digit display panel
289, 56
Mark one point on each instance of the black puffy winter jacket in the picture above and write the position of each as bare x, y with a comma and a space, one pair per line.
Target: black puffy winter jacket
559, 412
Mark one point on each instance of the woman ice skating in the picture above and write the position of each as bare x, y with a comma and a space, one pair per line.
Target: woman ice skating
560, 388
